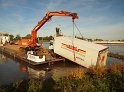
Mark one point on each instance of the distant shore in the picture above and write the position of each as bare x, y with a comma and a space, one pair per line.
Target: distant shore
98, 42
108, 42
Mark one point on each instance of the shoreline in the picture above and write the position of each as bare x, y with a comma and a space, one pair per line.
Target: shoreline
108, 42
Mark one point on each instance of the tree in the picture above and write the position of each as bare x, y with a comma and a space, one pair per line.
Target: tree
46, 38
6, 34
98, 40
28, 36
51, 37
82, 38
11, 37
90, 40
18, 37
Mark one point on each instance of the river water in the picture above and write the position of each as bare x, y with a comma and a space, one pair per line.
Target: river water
115, 48
12, 70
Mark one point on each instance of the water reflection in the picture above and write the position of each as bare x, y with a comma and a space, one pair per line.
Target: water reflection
35, 73
47, 71
9, 70
32, 72
12, 70
40, 73
3, 58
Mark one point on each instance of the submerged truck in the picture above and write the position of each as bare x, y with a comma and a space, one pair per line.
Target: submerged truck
84, 53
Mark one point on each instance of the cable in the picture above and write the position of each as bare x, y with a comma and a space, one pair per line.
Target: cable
78, 30
74, 25
73, 41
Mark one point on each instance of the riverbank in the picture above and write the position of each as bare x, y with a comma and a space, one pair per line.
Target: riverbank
116, 55
95, 79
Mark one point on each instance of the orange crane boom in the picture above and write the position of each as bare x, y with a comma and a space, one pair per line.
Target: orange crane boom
47, 17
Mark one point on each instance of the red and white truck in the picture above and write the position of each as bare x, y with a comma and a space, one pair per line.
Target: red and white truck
79, 51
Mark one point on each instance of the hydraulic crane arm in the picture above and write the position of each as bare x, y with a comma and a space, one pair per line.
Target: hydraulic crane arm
48, 17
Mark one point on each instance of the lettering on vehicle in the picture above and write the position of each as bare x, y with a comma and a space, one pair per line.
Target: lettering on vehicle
80, 58
73, 48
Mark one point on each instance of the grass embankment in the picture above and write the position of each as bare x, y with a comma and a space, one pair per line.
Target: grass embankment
95, 79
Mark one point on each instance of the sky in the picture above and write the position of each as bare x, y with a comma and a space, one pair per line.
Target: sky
98, 19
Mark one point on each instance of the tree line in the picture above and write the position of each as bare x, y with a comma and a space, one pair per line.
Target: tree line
28, 36
48, 38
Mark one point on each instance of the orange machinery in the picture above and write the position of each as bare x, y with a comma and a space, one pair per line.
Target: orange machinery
33, 42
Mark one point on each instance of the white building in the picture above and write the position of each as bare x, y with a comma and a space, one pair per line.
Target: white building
4, 39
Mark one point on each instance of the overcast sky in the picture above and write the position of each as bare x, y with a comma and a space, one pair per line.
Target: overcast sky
102, 19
